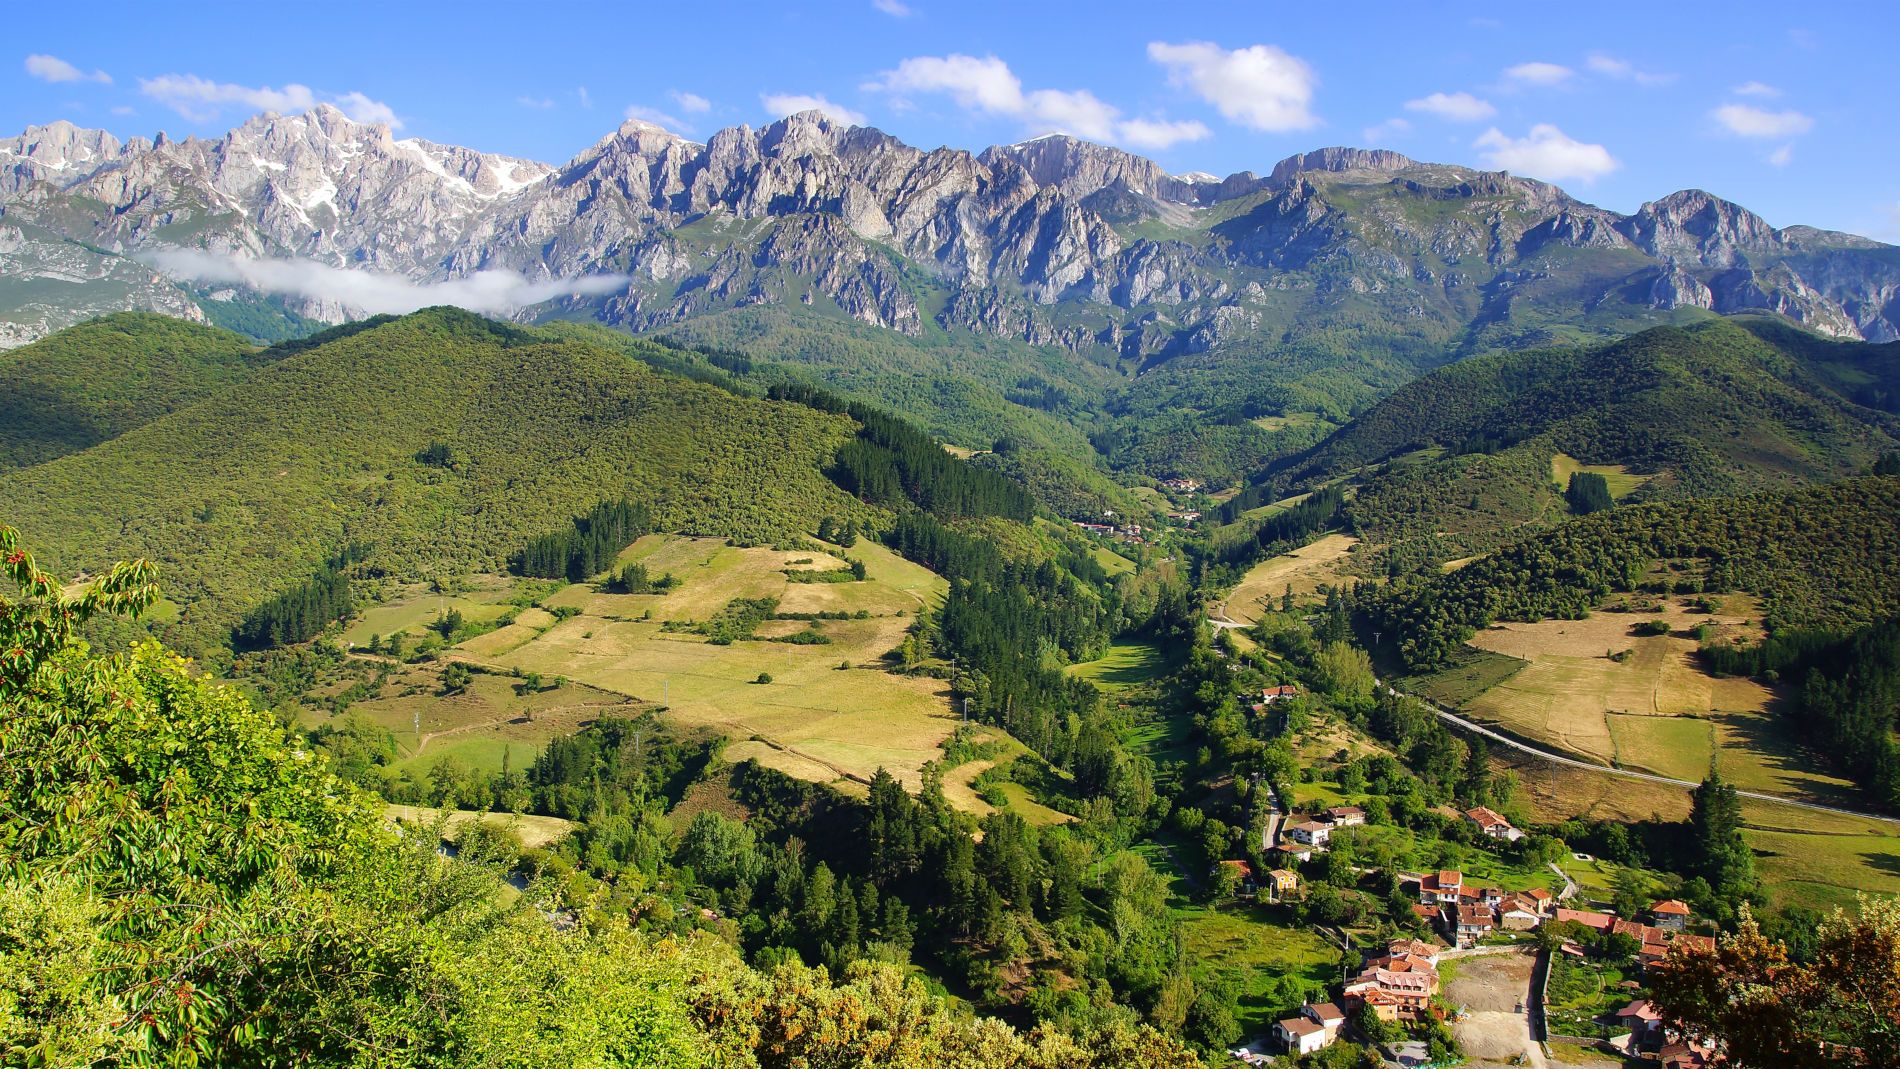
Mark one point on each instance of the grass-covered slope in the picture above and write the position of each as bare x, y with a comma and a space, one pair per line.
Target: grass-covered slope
97, 380
1717, 406
245, 492
1461, 461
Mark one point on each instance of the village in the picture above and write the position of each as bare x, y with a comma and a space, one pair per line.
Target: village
1507, 941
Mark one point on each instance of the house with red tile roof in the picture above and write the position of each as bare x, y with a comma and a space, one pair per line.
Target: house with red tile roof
1641, 1018
1670, 914
1441, 888
1474, 923
1493, 824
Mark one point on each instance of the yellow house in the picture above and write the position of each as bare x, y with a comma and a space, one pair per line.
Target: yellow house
1283, 882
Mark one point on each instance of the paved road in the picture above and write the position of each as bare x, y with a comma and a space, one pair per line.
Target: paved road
1570, 885
1590, 766
1545, 755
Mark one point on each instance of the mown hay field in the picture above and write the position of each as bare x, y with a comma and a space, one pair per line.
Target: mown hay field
1306, 569
830, 712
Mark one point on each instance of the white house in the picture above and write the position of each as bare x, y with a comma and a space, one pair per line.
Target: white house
1302, 1035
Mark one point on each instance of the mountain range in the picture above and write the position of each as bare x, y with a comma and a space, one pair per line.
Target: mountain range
1054, 242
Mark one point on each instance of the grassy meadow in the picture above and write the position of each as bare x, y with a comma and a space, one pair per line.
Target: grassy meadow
1306, 569
1622, 482
830, 711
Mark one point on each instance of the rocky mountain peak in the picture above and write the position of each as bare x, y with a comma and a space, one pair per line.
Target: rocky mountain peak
1077, 168
1339, 158
58, 152
1701, 228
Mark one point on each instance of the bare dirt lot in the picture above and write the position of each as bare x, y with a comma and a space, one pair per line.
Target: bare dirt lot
1492, 989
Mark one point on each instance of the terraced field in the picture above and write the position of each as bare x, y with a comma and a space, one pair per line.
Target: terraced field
827, 712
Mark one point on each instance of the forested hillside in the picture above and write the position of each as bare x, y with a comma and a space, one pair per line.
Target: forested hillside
1824, 557
440, 440
1459, 462
100, 379
1717, 407
220, 898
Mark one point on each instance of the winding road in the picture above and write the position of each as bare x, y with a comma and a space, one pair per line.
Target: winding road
1475, 728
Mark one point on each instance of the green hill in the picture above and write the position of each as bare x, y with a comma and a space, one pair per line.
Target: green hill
1461, 461
1824, 557
245, 492
1716, 406
93, 382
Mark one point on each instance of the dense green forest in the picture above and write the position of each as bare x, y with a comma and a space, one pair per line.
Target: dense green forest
96, 381
1458, 462
1721, 406
237, 497
1824, 557
586, 546
186, 886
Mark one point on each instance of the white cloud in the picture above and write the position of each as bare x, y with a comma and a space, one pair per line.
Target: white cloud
985, 84
894, 8
1623, 70
1457, 107
375, 292
1755, 89
1782, 156
362, 109
1547, 153
123, 109
1742, 120
201, 99
537, 103
1386, 131
54, 69
690, 103
782, 104
1260, 86
587, 101
1160, 133
988, 86
656, 117
1538, 73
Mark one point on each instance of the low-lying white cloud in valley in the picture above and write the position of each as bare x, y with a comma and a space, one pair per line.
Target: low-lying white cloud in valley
1456, 107
1547, 153
1260, 87
783, 104
54, 69
1745, 120
378, 292
987, 85
202, 100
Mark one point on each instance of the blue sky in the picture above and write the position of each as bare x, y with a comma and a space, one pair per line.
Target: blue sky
1788, 109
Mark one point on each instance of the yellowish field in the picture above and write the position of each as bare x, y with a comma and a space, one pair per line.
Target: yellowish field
1622, 483
1807, 858
814, 719
1306, 569
1675, 746
533, 831
1568, 691
413, 610
484, 722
